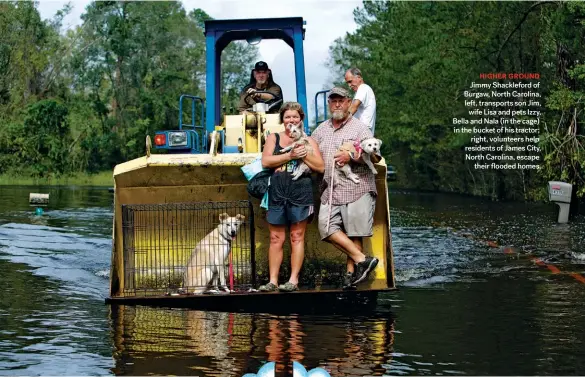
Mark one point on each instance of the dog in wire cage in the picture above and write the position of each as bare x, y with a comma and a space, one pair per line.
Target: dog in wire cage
206, 266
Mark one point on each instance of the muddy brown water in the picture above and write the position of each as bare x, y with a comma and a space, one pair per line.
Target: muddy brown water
462, 308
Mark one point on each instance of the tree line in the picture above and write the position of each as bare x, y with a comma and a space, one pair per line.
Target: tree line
420, 56
83, 100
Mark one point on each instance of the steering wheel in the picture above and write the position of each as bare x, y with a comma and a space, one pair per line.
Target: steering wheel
248, 95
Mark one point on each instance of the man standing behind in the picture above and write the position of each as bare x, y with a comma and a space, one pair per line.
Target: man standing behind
351, 216
363, 106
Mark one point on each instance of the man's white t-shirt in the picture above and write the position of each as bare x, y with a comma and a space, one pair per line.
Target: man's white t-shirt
366, 112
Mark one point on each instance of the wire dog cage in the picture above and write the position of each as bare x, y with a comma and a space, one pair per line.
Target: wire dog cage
199, 247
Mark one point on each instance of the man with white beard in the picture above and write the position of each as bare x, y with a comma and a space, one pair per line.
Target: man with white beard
351, 215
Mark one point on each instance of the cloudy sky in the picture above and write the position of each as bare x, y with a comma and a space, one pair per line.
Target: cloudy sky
326, 20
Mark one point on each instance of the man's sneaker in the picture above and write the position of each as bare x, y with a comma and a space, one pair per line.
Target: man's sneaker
347, 284
363, 269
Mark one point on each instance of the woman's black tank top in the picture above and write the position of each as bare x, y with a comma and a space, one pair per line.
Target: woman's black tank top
283, 189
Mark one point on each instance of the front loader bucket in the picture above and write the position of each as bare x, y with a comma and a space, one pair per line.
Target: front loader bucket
164, 205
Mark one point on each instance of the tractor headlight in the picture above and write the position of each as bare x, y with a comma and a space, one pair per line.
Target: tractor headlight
177, 139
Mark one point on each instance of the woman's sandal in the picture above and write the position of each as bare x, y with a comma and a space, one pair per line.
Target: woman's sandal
268, 288
288, 287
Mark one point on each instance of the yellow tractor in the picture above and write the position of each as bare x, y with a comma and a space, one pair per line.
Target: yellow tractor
166, 204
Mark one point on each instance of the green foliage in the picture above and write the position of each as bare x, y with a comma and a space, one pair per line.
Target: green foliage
46, 137
76, 179
40, 143
12, 138
84, 100
564, 138
419, 57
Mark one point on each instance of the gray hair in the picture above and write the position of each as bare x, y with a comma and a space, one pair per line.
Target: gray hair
355, 72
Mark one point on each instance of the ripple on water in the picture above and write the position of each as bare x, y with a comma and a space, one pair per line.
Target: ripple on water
62, 255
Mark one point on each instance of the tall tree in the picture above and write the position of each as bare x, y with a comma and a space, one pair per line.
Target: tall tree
116, 78
420, 56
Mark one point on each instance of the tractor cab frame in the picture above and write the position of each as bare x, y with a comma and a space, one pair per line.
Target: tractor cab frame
195, 137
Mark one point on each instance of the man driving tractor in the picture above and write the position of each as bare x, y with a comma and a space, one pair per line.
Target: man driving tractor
261, 88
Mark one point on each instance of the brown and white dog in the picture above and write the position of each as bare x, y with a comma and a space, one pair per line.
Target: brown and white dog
366, 148
206, 266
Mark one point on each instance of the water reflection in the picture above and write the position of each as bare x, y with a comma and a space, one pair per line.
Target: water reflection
181, 342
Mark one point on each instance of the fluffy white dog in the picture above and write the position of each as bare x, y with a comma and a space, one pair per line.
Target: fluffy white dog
300, 138
369, 147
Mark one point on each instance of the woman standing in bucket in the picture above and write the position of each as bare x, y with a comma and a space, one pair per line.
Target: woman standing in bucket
290, 202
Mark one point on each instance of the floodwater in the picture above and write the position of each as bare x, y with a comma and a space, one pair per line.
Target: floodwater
462, 308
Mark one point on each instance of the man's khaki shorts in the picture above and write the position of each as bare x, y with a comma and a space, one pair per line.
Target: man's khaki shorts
356, 219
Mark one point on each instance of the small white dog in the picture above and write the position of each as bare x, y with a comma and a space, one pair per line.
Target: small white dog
206, 266
369, 147
300, 138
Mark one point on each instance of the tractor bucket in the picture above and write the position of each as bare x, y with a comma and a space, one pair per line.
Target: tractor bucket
164, 205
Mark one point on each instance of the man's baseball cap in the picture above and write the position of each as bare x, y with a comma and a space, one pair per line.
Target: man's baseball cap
338, 91
261, 66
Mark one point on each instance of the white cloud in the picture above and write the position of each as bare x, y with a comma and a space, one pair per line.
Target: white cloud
326, 20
